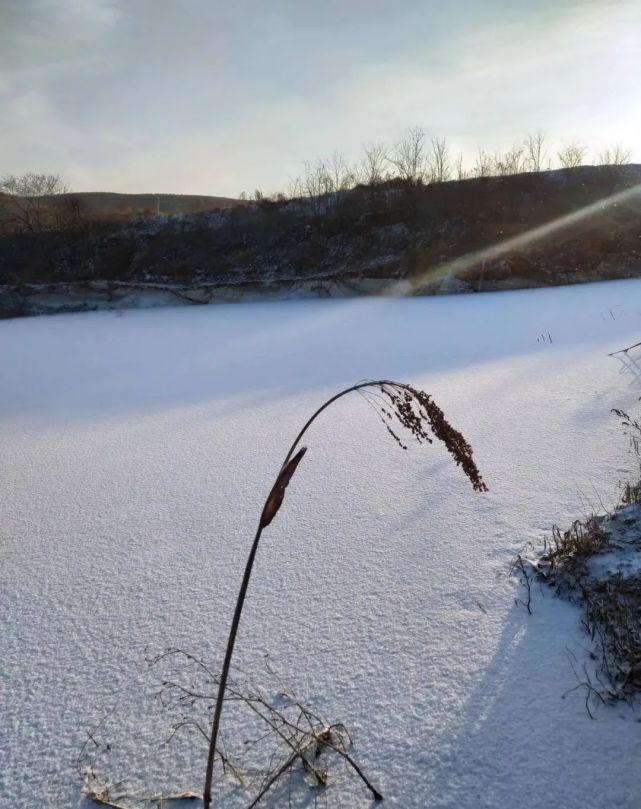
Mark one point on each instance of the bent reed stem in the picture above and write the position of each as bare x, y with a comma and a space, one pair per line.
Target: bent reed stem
454, 442
240, 601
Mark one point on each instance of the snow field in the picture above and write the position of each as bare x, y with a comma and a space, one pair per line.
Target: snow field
137, 451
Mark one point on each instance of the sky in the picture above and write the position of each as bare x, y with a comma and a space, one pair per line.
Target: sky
212, 97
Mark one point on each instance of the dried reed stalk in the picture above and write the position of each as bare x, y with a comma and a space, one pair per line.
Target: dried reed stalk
418, 414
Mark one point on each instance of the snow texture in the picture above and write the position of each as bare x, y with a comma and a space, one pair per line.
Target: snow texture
623, 529
137, 451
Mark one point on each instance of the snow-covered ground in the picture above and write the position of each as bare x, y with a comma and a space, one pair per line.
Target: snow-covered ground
137, 450
624, 537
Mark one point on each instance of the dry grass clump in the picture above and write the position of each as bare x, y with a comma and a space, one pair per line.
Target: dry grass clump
562, 563
608, 588
631, 494
613, 618
566, 553
632, 428
611, 603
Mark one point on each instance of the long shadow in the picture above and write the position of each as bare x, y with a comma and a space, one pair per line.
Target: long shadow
630, 366
545, 758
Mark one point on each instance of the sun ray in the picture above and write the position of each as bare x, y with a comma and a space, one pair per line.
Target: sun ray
464, 264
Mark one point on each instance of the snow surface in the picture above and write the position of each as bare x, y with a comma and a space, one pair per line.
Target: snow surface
137, 450
623, 529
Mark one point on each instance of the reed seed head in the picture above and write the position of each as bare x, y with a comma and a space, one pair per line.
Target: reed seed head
419, 414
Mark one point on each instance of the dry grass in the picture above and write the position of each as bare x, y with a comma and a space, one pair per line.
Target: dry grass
613, 619
287, 750
611, 602
566, 553
611, 605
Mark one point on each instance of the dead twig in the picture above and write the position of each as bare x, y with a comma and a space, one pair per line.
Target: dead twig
519, 563
284, 735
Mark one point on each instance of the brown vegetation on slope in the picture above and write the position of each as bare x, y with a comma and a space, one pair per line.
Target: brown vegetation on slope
392, 231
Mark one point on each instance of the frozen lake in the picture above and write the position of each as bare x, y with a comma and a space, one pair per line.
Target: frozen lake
137, 450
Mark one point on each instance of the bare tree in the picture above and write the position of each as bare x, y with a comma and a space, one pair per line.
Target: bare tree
322, 180
30, 200
511, 162
572, 155
342, 175
317, 183
534, 145
294, 188
408, 157
461, 172
71, 213
615, 156
373, 163
440, 168
483, 164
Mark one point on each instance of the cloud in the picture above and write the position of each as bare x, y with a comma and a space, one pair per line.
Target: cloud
212, 96
42, 33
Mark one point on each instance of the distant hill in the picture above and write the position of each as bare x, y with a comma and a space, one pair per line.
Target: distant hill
108, 206
105, 202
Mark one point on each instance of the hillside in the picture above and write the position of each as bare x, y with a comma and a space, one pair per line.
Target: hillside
106, 205
107, 202
555, 227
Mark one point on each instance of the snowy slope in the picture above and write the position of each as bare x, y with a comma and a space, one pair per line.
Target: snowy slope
137, 449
